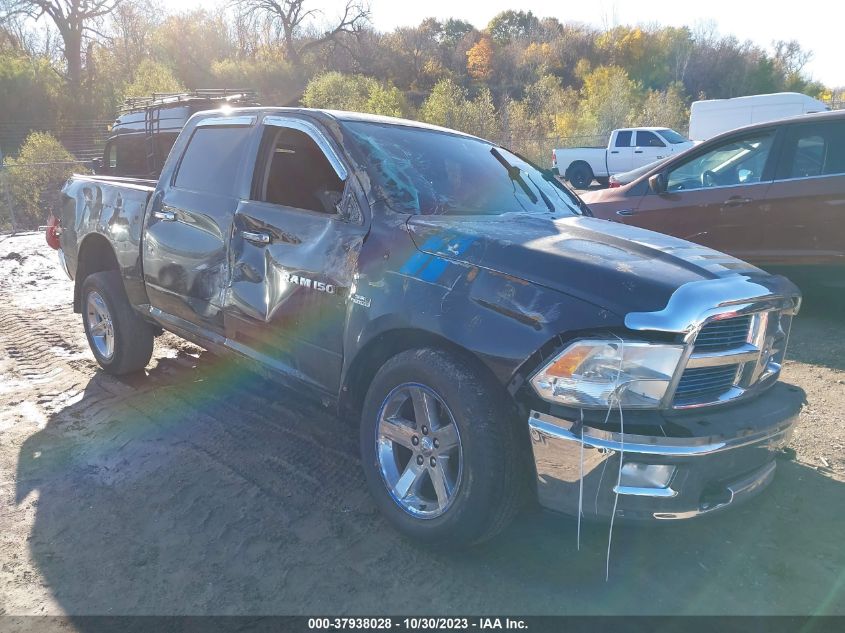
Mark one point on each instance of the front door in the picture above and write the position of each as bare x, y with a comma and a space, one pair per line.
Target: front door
714, 197
185, 262
294, 252
648, 148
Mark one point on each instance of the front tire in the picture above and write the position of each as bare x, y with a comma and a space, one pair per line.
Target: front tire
440, 451
121, 341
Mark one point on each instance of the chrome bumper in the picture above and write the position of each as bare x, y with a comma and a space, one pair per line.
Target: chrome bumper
709, 473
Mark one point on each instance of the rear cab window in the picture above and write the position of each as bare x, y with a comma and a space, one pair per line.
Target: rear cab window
212, 160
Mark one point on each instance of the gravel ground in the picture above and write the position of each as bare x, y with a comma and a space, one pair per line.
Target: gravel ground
198, 488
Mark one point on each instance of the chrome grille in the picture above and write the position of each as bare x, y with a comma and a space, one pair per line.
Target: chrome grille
723, 334
732, 357
702, 382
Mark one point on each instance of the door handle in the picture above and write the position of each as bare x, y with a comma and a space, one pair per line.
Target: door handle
638, 151
256, 238
737, 201
625, 212
614, 151
165, 216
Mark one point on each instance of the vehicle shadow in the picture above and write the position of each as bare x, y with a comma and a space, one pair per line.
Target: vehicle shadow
199, 488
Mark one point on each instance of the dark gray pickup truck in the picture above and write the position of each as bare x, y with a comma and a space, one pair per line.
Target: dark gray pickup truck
494, 341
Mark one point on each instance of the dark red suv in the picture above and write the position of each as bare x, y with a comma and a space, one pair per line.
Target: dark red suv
772, 194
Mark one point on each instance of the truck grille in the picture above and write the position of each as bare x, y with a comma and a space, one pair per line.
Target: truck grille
733, 356
724, 334
701, 382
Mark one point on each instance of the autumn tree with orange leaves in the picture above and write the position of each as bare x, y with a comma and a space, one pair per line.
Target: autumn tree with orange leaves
480, 59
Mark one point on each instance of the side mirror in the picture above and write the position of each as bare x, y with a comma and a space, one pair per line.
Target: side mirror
658, 183
96, 165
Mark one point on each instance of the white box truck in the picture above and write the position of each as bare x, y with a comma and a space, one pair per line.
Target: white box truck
714, 116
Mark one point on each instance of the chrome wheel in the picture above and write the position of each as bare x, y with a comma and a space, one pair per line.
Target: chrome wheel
100, 325
419, 452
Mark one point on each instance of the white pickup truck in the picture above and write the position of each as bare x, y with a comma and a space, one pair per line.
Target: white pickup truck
627, 149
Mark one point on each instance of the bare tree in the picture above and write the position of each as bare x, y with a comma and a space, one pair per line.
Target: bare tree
790, 57
292, 19
74, 19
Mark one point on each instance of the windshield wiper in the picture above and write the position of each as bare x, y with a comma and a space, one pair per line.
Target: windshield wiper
514, 174
543, 195
549, 177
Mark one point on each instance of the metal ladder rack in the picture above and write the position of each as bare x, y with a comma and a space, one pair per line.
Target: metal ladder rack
152, 126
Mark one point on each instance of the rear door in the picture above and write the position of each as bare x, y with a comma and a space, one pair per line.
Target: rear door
620, 153
649, 148
714, 196
804, 223
294, 253
186, 268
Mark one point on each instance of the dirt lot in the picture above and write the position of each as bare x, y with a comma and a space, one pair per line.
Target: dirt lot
199, 489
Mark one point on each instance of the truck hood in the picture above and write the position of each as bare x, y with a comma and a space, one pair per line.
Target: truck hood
614, 266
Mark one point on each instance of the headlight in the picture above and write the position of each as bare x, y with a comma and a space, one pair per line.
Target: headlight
600, 374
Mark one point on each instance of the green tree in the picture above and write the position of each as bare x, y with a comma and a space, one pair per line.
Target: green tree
513, 25
449, 105
35, 178
609, 100
355, 93
190, 43
265, 71
30, 89
151, 77
665, 108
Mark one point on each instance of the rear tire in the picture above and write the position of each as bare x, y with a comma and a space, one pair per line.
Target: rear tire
122, 342
446, 416
580, 175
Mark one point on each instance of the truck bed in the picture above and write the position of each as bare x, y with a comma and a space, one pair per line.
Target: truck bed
96, 207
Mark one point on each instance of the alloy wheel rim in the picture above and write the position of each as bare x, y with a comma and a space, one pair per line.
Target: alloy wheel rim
419, 451
100, 324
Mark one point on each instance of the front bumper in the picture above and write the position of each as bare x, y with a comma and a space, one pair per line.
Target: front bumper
711, 472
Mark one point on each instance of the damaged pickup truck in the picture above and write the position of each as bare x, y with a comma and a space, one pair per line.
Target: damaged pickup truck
494, 341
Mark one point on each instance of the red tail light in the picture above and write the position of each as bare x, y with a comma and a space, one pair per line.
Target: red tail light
52, 232
554, 159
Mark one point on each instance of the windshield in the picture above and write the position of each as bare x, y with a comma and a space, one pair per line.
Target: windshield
429, 172
673, 137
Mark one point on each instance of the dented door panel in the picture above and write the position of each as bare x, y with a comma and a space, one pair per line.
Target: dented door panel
288, 297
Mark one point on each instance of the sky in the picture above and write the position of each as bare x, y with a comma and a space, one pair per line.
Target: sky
819, 28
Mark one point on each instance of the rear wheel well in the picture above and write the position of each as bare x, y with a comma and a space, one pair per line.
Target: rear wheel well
95, 255
369, 360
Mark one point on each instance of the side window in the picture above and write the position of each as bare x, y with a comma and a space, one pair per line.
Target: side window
810, 152
648, 139
814, 150
735, 162
297, 173
212, 160
623, 138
